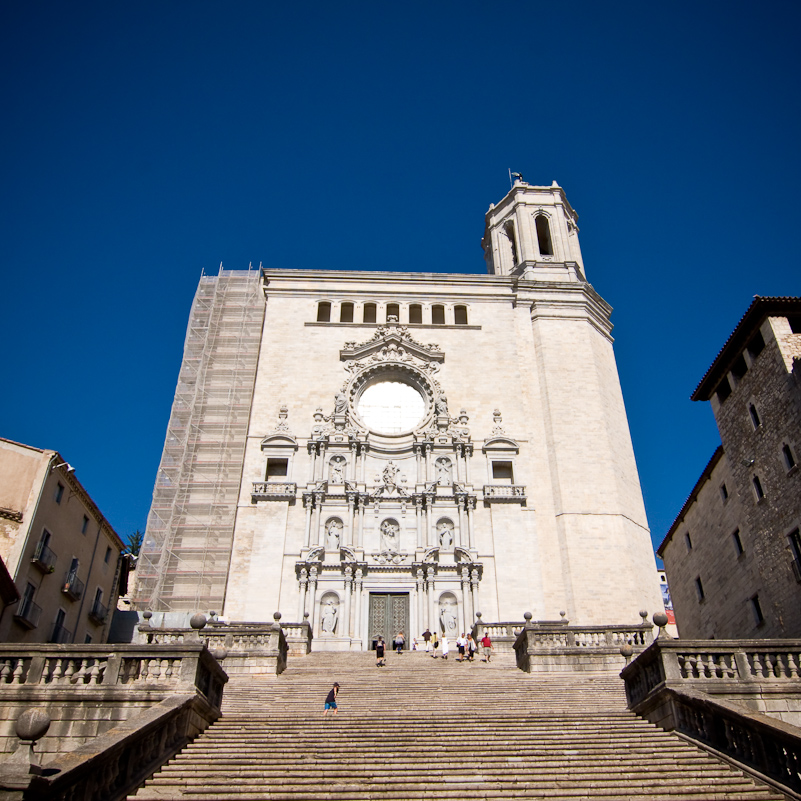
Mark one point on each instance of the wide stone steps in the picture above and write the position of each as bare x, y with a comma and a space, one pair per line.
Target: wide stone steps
423, 728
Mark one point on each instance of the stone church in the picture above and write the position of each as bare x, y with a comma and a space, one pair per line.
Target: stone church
376, 451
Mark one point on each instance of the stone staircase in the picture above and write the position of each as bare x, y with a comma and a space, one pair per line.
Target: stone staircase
426, 728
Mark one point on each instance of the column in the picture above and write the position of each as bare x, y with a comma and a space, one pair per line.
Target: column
363, 449
303, 585
468, 453
312, 595
467, 595
360, 510
308, 502
313, 452
421, 598
474, 585
460, 504
432, 601
419, 461
418, 511
318, 503
359, 601
347, 628
428, 463
354, 450
459, 454
351, 503
321, 463
470, 505
428, 537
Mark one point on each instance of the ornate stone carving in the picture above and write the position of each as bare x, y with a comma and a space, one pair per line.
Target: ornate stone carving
445, 534
333, 534
448, 615
336, 470
497, 420
329, 613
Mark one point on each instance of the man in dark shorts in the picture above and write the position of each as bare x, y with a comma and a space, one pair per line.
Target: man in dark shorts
331, 699
379, 652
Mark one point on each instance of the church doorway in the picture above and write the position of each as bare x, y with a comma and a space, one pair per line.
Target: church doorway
389, 614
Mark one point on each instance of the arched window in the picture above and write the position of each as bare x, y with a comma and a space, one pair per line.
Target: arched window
323, 312
415, 313
509, 230
460, 315
544, 235
393, 310
369, 313
438, 315
346, 313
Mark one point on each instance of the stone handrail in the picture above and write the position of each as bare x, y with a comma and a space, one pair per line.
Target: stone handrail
173, 668
505, 492
731, 667
273, 491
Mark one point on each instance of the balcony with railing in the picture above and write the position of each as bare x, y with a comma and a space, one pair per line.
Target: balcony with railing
98, 612
73, 586
273, 491
504, 493
61, 635
28, 613
44, 558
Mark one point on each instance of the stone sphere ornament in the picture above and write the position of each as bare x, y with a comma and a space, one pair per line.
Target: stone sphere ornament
661, 619
32, 724
644, 616
626, 651
197, 621
147, 614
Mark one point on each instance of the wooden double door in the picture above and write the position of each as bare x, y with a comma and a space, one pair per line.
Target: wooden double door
389, 614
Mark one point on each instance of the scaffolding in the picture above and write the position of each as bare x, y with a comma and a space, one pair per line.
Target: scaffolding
186, 551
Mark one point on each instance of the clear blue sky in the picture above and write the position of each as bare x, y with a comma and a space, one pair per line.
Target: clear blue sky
144, 142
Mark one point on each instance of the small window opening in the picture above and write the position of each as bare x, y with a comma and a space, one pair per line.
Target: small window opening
324, 312
369, 313
756, 345
758, 491
724, 493
85, 524
724, 389
688, 541
108, 555
739, 368
393, 310
738, 543
756, 609
795, 323
544, 235
502, 473
87, 639
787, 455
438, 315
460, 315
346, 313
509, 230
754, 414
795, 550
59, 492
277, 468
699, 589
415, 313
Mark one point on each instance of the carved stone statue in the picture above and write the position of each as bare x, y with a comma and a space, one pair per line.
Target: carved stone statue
330, 615
389, 475
447, 617
333, 535
340, 403
336, 471
442, 406
443, 468
445, 530
389, 536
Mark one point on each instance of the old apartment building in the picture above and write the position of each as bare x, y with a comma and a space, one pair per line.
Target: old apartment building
61, 552
733, 554
389, 451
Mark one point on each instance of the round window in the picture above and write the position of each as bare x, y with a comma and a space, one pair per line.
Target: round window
391, 407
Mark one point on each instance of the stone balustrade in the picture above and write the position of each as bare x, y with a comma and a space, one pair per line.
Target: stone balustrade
509, 493
760, 673
555, 645
741, 698
273, 491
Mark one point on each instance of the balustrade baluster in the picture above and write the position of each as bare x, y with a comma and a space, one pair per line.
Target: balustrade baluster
57, 671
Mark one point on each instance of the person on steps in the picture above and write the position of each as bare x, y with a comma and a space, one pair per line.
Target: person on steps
461, 641
434, 644
486, 642
427, 640
331, 700
445, 646
379, 653
399, 640
471, 648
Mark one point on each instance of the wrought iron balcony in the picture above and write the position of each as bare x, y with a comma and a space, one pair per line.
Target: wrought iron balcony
28, 613
505, 493
98, 612
273, 491
61, 635
73, 587
44, 558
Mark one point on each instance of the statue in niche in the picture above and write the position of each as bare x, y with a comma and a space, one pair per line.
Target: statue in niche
447, 617
443, 468
340, 403
445, 530
336, 470
389, 536
333, 535
442, 406
390, 472
329, 616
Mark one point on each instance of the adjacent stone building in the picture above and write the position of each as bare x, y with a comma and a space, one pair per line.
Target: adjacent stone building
64, 557
393, 451
733, 554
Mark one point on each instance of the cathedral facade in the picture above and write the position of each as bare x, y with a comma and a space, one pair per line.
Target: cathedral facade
375, 451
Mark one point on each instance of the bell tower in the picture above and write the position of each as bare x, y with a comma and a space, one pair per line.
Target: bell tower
532, 233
